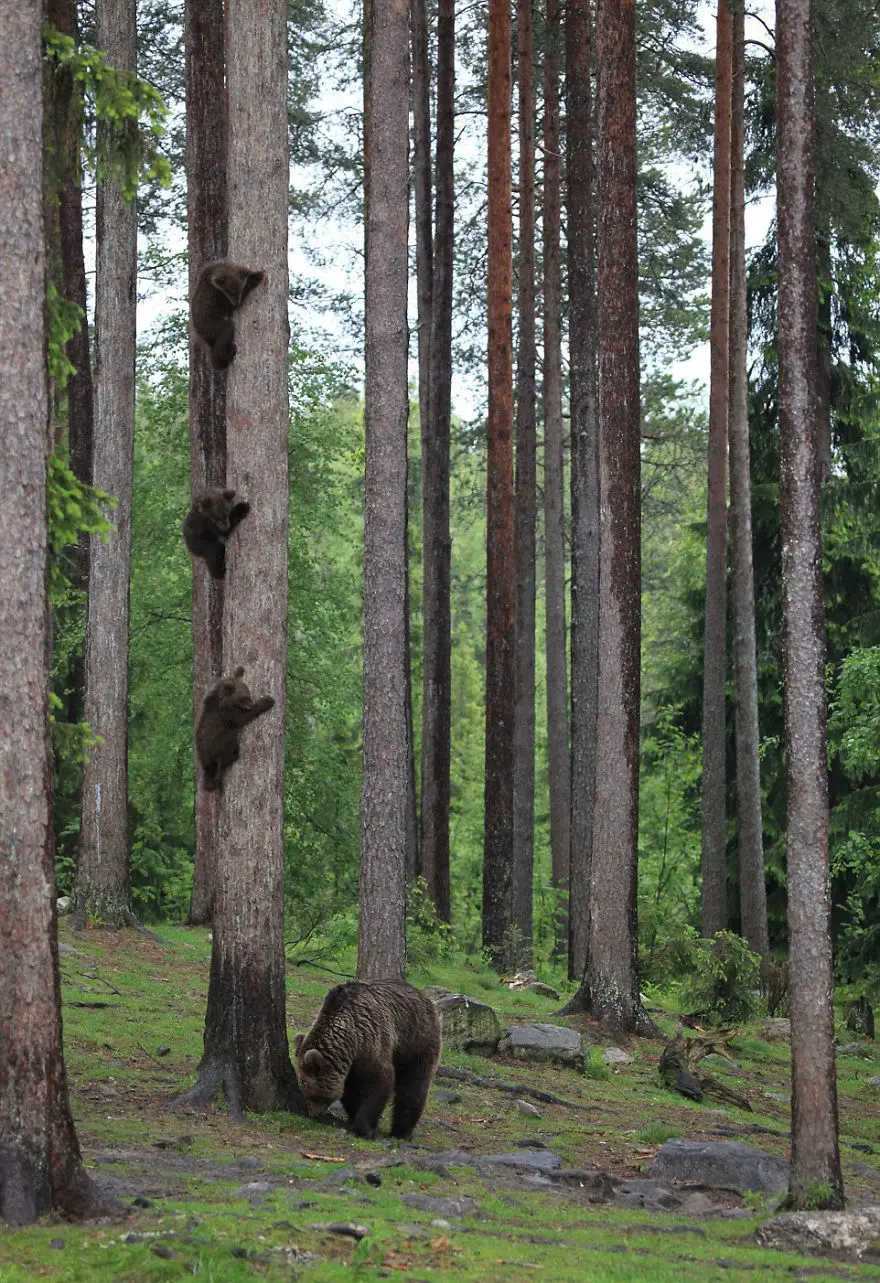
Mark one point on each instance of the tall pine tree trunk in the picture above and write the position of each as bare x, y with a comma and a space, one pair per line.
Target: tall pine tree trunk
500, 579
437, 634
102, 878
713, 914
612, 979
753, 893
526, 503
558, 760
584, 397
40, 1166
207, 239
381, 943
815, 1155
246, 1048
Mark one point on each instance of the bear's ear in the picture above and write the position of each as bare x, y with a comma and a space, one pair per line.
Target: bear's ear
298, 1041
313, 1060
239, 672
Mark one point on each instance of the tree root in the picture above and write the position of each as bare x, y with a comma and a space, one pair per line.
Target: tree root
216, 1075
544, 1097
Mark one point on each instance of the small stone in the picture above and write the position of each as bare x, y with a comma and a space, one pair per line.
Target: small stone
875, 1081
243, 1253
338, 1110
140, 1201
462, 1206
348, 1229
254, 1187
373, 1178
447, 1097
540, 1160
528, 1110
614, 1056
441, 1225
107, 1158
782, 1096
531, 1142
163, 1051
854, 1049
165, 1252
56, 1244
862, 1147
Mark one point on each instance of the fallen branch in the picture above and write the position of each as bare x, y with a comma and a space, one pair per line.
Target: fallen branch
544, 1097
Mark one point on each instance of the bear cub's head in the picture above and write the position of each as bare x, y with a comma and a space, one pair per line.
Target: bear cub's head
217, 506
319, 1082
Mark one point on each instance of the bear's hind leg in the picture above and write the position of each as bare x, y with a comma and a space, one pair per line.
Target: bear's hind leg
365, 1096
411, 1087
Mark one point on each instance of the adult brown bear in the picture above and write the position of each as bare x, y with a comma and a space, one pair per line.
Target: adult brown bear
371, 1039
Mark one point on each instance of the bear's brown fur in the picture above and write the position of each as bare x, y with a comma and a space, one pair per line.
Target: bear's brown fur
209, 523
226, 710
220, 289
371, 1040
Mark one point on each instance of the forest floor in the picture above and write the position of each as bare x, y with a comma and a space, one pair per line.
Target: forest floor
207, 1198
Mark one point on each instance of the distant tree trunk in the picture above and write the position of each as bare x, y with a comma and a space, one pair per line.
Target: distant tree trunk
815, 1156
584, 398
500, 579
381, 943
102, 878
558, 760
246, 1049
80, 396
612, 979
207, 240
713, 914
40, 1165
753, 893
526, 502
437, 635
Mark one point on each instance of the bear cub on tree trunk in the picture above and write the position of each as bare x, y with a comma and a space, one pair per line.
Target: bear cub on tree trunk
226, 709
209, 523
220, 289
371, 1040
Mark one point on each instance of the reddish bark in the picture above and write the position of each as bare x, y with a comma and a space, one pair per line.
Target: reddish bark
437, 637
558, 760
40, 1165
381, 944
526, 503
584, 398
612, 979
713, 914
500, 582
206, 139
753, 894
815, 1154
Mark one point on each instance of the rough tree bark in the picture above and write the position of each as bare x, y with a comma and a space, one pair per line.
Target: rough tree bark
584, 399
713, 914
381, 942
102, 878
437, 635
612, 978
526, 503
500, 581
207, 239
246, 1048
40, 1165
752, 890
558, 760
816, 1177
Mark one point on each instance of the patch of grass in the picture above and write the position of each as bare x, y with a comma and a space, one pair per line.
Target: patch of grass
595, 1067
657, 1133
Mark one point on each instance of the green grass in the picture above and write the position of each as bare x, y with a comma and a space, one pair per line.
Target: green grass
128, 1060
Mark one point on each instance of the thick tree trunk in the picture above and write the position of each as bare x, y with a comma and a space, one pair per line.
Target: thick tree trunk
206, 140
558, 760
422, 190
500, 579
584, 398
713, 914
102, 878
437, 634
753, 894
526, 503
815, 1167
612, 979
40, 1165
246, 1049
381, 943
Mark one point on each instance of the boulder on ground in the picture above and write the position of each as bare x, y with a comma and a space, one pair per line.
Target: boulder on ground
553, 1043
851, 1232
528, 980
468, 1025
720, 1164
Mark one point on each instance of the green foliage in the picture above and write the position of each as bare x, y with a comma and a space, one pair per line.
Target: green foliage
716, 979
657, 1133
595, 1067
75, 509
130, 112
428, 937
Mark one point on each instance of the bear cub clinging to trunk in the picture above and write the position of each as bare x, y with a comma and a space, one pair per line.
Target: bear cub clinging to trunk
220, 289
226, 710
209, 523
371, 1040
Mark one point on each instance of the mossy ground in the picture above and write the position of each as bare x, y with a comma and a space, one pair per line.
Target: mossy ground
127, 1060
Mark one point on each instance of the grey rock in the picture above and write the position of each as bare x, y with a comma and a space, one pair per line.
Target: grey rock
614, 1056
255, 1187
782, 1096
441, 1225
697, 1204
528, 1110
441, 1206
411, 1231
528, 980
468, 1025
720, 1165
537, 1160
776, 1027
598, 1187
850, 1232
875, 1081
447, 1097
854, 1049
62, 904
553, 1043
56, 1244
337, 1109
348, 1229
